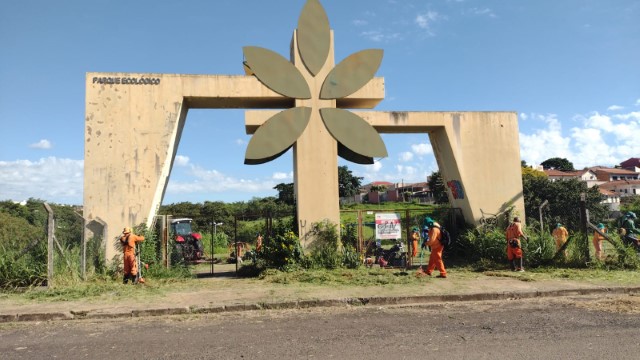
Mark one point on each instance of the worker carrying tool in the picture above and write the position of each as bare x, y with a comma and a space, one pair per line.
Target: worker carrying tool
129, 241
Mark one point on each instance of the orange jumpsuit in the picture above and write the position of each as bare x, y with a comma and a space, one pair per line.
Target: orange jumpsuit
597, 244
513, 233
128, 242
435, 259
259, 243
415, 238
560, 234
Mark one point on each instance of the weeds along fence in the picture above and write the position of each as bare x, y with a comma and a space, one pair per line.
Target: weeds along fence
55, 249
358, 227
224, 237
55, 252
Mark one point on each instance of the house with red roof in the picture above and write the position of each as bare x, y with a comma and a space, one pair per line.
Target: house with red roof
587, 175
614, 174
632, 164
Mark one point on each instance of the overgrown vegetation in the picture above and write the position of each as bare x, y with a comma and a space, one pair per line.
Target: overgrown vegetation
326, 251
486, 250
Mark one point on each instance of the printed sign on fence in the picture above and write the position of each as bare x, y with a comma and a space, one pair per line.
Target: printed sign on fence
388, 226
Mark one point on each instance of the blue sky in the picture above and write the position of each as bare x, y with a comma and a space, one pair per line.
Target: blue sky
570, 69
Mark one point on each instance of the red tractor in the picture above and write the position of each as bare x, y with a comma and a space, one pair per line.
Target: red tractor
188, 244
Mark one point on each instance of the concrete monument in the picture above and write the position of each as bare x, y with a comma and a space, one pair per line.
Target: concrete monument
134, 122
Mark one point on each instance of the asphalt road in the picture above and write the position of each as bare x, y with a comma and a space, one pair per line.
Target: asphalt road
562, 328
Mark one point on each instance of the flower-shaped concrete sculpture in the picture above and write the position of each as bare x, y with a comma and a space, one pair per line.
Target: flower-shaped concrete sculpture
357, 140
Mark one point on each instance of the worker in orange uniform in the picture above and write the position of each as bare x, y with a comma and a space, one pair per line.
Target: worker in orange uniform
415, 238
259, 242
514, 246
560, 234
597, 241
435, 259
128, 241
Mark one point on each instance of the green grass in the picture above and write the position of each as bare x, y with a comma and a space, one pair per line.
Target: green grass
108, 289
345, 277
376, 276
101, 288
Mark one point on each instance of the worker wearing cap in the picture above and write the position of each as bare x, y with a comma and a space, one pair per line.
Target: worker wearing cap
128, 241
514, 247
560, 234
435, 259
415, 238
597, 241
630, 230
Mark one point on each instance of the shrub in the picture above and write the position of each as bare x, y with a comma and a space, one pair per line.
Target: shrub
23, 269
349, 235
280, 251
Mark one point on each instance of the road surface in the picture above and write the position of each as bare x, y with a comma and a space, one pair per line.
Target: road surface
560, 328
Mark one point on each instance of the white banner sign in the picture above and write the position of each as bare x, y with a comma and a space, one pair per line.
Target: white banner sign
388, 226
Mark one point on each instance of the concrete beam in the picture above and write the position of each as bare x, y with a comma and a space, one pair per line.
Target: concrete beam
133, 125
481, 150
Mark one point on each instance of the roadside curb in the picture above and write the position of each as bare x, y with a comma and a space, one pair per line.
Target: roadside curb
305, 304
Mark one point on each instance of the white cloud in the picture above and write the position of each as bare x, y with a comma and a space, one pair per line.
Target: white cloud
42, 144
597, 121
524, 116
615, 108
596, 139
590, 148
51, 179
376, 167
406, 172
482, 12
358, 22
637, 102
281, 176
633, 116
425, 20
213, 181
181, 160
422, 149
406, 156
545, 143
241, 142
371, 172
380, 36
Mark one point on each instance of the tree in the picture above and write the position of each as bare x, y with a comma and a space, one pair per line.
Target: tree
378, 188
531, 172
630, 203
182, 209
285, 193
436, 185
557, 163
348, 185
564, 200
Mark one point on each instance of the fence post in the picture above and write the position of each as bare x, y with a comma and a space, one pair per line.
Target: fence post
545, 203
84, 252
361, 248
165, 241
407, 222
50, 230
83, 259
235, 241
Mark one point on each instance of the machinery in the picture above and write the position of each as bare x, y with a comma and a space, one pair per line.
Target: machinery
188, 244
